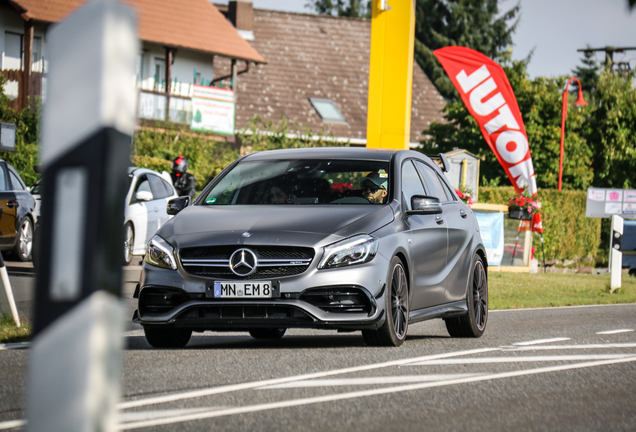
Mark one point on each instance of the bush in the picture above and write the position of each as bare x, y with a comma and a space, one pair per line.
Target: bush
27, 123
155, 148
567, 233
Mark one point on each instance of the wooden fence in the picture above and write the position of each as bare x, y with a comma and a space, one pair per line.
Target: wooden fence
33, 90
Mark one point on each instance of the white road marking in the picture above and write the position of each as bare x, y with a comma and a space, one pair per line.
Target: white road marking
560, 307
365, 393
137, 416
569, 347
369, 381
614, 331
12, 424
254, 384
541, 341
527, 359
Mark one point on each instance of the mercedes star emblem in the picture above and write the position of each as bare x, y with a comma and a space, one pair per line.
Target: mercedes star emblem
247, 234
243, 262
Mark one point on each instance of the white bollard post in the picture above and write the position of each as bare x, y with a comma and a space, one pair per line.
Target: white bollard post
616, 255
7, 302
87, 123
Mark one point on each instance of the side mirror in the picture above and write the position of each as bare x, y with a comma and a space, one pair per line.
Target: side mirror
424, 205
144, 196
175, 205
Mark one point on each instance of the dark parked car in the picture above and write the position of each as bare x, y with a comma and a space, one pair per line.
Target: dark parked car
16, 214
331, 238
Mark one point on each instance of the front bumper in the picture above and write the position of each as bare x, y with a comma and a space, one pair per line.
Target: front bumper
180, 301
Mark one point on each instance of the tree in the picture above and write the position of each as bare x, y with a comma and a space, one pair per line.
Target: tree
474, 24
611, 131
343, 8
588, 72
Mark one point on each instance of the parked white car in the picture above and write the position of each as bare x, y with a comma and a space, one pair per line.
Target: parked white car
145, 211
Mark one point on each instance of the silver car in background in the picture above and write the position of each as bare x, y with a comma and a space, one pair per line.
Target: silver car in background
330, 238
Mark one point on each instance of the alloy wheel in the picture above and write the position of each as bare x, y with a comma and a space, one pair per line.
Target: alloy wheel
480, 295
26, 239
399, 301
128, 244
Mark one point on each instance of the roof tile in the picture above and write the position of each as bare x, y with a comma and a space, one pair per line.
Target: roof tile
319, 56
192, 24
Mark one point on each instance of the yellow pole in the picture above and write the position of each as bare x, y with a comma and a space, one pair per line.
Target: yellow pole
391, 74
464, 172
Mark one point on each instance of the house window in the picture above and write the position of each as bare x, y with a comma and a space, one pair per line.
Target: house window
12, 58
327, 110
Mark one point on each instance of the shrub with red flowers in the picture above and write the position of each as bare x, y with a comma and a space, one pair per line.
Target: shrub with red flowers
526, 202
465, 195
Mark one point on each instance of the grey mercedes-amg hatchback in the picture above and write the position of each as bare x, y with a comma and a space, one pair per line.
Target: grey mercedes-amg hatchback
330, 238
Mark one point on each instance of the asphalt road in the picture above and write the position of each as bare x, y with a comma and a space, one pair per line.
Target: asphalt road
543, 369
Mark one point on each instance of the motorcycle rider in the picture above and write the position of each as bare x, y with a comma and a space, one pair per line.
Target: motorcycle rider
183, 181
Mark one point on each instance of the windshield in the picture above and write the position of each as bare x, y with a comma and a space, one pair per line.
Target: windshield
304, 182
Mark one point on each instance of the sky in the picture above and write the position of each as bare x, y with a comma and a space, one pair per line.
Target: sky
555, 29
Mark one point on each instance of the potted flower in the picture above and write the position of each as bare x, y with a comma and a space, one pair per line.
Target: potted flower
465, 195
523, 206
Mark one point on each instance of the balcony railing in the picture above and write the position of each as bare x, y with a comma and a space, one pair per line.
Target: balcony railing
152, 101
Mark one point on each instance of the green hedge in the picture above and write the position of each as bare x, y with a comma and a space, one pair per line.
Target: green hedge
156, 147
567, 233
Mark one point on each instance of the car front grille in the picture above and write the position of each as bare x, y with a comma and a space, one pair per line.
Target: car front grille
273, 261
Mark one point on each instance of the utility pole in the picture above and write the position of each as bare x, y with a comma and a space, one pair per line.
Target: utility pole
609, 56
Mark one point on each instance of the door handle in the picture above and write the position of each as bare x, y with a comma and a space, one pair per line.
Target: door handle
439, 219
12, 204
463, 214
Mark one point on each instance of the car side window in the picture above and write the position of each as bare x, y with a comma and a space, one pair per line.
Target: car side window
15, 182
3, 181
157, 186
143, 185
432, 180
169, 189
449, 191
411, 183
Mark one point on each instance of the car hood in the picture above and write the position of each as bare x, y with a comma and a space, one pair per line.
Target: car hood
285, 225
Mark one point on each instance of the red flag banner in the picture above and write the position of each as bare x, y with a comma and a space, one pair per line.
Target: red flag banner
537, 224
489, 98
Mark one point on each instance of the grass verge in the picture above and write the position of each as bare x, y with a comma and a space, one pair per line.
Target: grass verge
519, 290
10, 333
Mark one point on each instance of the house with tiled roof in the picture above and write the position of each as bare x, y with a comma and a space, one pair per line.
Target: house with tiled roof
316, 74
181, 41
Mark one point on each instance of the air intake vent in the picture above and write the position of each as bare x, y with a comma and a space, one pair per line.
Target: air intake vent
340, 299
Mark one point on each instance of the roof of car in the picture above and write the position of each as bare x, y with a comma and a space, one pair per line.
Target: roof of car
323, 153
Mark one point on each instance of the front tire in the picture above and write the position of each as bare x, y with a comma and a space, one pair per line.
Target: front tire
129, 243
272, 333
167, 338
23, 248
393, 331
473, 324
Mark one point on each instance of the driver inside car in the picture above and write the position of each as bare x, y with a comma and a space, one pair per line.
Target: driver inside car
374, 187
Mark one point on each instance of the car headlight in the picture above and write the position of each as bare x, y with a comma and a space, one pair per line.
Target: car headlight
354, 250
159, 253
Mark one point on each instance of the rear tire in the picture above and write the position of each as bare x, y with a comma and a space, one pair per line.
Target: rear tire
393, 331
167, 338
272, 333
473, 324
23, 249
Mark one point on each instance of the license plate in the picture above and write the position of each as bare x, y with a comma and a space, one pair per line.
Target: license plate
252, 289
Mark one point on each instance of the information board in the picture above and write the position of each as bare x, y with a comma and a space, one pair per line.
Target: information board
604, 203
